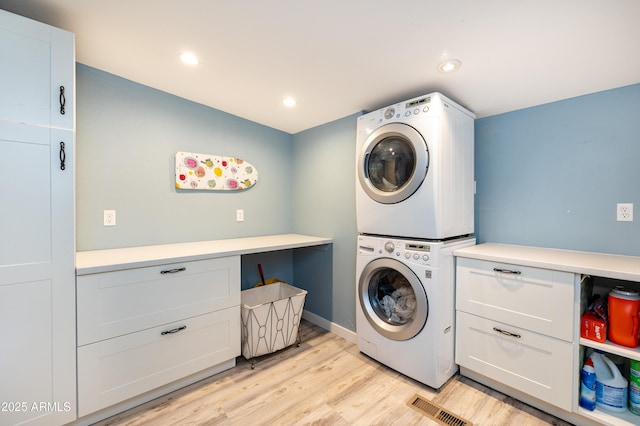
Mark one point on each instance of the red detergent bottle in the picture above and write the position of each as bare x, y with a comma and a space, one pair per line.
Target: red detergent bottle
624, 320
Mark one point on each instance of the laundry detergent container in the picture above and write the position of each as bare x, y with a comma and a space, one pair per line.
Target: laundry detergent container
624, 320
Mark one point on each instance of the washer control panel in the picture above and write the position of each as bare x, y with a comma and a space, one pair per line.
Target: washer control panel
406, 251
415, 252
430, 253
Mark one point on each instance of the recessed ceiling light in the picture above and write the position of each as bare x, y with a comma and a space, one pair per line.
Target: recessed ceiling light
189, 58
289, 102
450, 65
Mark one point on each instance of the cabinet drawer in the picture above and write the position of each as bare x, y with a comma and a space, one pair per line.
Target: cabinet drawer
532, 363
118, 369
115, 303
535, 299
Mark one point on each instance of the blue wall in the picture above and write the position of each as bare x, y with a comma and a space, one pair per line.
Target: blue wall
324, 204
548, 176
127, 136
551, 175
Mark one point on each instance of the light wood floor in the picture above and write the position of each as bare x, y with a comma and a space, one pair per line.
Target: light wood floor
325, 381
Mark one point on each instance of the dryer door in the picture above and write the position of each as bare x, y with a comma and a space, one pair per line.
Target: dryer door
393, 299
393, 163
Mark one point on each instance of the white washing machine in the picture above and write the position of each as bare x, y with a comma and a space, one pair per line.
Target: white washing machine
414, 169
405, 313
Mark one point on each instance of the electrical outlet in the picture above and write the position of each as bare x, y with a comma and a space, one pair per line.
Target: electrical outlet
625, 212
239, 215
109, 218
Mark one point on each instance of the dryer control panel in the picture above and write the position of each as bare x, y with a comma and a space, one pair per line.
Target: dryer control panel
403, 111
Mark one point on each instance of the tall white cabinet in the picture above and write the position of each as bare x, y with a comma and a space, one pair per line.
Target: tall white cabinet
37, 237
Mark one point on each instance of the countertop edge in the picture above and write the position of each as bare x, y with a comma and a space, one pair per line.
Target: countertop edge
580, 262
99, 261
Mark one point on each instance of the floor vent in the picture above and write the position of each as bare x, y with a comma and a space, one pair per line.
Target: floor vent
436, 412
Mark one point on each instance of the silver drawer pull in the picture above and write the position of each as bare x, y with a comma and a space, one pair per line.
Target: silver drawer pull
173, 271
174, 330
507, 271
507, 333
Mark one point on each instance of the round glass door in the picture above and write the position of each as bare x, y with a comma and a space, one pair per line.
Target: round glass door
394, 162
393, 299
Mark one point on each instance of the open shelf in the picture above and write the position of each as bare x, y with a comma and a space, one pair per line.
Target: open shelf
612, 348
607, 418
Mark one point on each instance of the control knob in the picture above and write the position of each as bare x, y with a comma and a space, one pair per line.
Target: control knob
389, 113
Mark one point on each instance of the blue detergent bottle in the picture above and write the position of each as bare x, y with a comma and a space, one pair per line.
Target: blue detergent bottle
588, 386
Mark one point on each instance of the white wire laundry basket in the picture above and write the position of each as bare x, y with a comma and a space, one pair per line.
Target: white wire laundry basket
271, 317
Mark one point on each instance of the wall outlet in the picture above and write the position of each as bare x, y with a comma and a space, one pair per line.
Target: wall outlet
239, 215
109, 218
625, 212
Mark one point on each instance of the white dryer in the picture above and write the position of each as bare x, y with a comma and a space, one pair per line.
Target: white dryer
414, 169
405, 309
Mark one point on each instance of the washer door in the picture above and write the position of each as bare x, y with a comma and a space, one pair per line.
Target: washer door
393, 163
393, 299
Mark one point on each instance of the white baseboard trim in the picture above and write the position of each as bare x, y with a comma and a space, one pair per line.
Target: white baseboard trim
334, 328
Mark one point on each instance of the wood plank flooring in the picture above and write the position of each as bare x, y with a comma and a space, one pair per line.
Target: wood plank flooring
325, 381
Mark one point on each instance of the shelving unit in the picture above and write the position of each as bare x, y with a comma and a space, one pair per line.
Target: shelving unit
602, 286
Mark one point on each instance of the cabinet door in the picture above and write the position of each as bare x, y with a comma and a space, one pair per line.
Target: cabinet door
37, 61
37, 300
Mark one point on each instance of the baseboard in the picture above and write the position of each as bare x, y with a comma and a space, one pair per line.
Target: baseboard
334, 328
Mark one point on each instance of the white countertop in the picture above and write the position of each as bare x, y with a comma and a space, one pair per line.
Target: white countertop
581, 262
96, 261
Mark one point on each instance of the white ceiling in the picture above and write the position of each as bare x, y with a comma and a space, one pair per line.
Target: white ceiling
338, 57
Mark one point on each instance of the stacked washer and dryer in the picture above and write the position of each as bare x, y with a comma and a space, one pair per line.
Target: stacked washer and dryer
414, 206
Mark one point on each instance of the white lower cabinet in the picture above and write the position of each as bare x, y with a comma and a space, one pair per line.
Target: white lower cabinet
536, 364
518, 312
142, 328
514, 324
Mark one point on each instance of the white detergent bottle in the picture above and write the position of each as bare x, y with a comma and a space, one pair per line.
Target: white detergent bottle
611, 387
